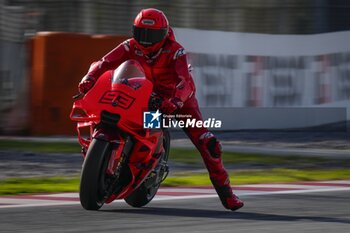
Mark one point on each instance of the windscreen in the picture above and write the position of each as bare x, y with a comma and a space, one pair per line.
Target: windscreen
128, 69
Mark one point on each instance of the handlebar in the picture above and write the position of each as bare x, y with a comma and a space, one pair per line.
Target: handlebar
78, 96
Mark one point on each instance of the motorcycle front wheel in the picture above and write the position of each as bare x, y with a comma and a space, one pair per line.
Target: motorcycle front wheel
93, 176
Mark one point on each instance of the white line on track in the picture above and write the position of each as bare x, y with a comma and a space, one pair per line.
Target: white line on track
14, 202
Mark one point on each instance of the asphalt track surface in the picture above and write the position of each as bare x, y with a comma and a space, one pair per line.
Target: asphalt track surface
325, 211
318, 211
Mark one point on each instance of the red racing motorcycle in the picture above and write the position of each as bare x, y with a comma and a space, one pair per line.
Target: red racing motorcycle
123, 158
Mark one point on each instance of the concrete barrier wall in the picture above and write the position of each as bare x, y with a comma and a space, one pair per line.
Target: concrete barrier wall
59, 61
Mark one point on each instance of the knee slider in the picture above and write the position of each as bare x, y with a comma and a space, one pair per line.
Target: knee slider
209, 141
214, 147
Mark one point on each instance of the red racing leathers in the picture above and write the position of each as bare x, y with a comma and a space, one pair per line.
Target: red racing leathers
168, 70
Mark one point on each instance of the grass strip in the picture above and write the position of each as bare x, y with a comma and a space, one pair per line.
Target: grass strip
12, 186
40, 147
275, 175
189, 156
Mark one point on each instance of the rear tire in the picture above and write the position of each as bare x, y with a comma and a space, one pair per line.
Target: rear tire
143, 195
92, 181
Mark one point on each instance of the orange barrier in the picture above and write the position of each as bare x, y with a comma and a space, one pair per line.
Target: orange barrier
59, 61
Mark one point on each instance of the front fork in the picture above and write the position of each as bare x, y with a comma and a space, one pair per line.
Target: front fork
158, 174
117, 169
161, 171
121, 147
85, 140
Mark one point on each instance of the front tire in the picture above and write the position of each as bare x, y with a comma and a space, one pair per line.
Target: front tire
92, 181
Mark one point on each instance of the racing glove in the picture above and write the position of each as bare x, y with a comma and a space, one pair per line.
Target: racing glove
86, 84
171, 106
155, 102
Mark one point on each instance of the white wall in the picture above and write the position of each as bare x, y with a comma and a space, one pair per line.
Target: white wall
240, 70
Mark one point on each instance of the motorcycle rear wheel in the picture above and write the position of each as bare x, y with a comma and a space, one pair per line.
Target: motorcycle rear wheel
143, 194
93, 176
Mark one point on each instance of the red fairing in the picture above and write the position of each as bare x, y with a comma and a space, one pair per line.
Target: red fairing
124, 92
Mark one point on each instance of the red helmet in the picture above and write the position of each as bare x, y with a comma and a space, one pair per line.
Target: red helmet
150, 30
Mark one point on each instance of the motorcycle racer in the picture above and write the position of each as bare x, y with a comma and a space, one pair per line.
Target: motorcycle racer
164, 61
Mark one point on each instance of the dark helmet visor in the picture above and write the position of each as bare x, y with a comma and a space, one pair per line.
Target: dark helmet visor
147, 36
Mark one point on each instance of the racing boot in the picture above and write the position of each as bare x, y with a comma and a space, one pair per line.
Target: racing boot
217, 172
228, 199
